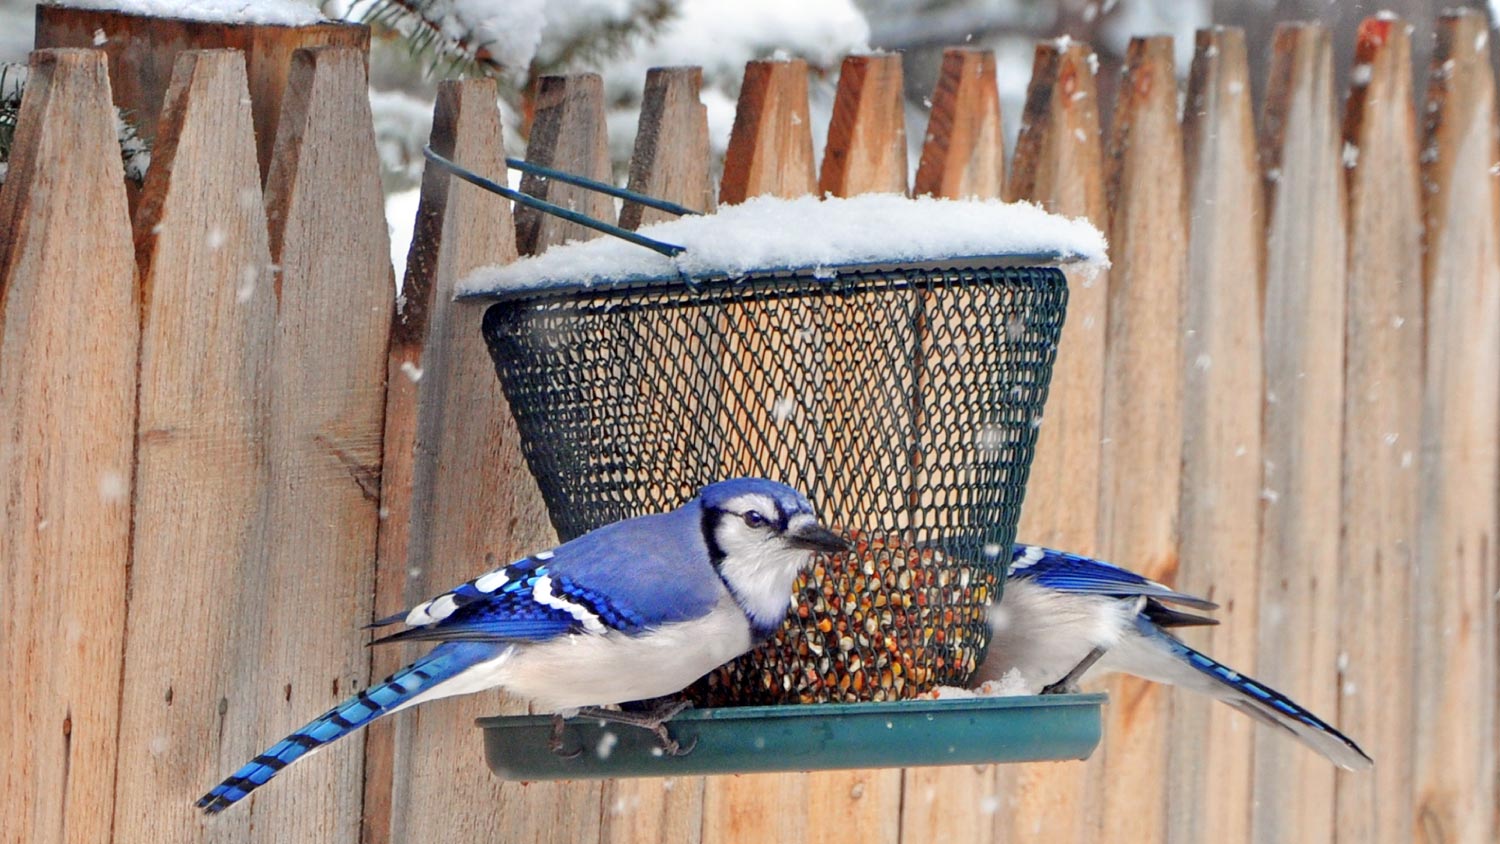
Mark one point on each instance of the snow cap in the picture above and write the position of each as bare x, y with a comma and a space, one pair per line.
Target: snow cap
770, 234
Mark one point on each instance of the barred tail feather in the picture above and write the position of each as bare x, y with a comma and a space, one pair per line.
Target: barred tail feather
403, 688
1157, 655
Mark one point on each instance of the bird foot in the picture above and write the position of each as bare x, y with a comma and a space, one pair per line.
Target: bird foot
1068, 685
555, 742
653, 721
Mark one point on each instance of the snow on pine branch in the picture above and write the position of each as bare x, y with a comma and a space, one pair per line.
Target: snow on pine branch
264, 12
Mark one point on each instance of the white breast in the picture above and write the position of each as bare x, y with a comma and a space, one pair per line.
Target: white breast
595, 670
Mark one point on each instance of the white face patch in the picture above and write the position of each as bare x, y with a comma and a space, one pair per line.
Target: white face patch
542, 593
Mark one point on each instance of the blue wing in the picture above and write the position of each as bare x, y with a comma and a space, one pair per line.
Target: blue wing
1073, 573
628, 577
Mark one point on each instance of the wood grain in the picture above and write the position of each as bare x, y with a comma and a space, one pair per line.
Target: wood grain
866, 148
142, 51
1382, 429
770, 147
1455, 576
857, 160
328, 234
202, 449
766, 155
1059, 165
671, 159
1303, 419
963, 153
1210, 764
466, 499
1142, 424
568, 133
68, 347
671, 162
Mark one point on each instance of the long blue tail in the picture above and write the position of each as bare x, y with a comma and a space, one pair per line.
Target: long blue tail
444, 663
1246, 694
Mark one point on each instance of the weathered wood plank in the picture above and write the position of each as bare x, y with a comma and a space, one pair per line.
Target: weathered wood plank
1059, 164
769, 128
1382, 420
68, 342
142, 51
963, 154
671, 162
1297, 645
202, 448
770, 152
770, 147
328, 234
1142, 424
865, 153
1455, 576
1210, 764
456, 490
671, 159
962, 157
866, 148
568, 133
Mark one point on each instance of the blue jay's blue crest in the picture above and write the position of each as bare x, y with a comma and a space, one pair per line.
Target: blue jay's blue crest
632, 611
788, 501
1059, 608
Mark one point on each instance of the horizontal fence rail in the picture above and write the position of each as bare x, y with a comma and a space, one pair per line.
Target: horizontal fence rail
226, 446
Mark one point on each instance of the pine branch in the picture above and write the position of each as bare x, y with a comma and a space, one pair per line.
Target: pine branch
606, 42
420, 22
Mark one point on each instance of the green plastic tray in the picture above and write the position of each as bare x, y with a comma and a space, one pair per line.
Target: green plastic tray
752, 739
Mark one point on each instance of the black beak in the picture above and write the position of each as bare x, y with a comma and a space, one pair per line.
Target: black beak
815, 537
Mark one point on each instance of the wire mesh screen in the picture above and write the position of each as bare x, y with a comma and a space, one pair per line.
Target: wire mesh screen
903, 401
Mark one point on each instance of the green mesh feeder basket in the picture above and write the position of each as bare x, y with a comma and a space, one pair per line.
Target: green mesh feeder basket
903, 398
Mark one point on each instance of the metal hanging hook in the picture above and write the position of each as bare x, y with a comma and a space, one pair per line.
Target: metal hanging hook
668, 249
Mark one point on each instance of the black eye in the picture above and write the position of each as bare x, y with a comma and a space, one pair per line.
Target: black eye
754, 519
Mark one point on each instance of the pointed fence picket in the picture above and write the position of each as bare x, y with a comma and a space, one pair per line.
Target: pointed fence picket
222, 457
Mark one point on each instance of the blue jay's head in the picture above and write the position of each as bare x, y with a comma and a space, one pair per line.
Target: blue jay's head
759, 535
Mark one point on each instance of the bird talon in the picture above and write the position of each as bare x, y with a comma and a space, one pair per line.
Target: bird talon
556, 744
671, 746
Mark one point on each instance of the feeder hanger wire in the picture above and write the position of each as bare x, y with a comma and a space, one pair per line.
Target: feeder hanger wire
670, 250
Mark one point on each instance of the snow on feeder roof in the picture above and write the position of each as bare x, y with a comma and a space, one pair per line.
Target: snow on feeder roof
770, 234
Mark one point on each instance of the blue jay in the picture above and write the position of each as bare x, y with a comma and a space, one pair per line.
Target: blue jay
635, 610
1061, 614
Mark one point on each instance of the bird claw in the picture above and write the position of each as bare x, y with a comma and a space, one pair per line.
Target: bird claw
1068, 685
654, 722
555, 741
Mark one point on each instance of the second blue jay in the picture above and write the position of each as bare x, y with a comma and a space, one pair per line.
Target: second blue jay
632, 611
1061, 614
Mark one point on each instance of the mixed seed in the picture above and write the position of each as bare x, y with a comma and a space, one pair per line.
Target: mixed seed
887, 620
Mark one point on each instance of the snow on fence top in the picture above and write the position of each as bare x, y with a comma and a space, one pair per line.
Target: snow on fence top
263, 12
807, 233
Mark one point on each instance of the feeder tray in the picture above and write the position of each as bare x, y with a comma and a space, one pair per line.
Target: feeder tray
902, 398
759, 739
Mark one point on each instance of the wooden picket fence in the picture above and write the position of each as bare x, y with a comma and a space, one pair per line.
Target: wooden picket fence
225, 448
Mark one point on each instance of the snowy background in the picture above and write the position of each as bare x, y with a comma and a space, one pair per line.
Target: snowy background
620, 39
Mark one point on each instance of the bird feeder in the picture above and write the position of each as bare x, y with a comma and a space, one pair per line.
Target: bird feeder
889, 357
